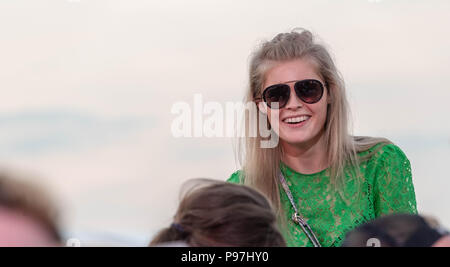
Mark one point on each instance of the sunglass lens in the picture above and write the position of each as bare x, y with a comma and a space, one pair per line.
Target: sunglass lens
309, 91
277, 93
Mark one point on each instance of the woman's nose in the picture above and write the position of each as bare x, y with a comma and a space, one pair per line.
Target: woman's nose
294, 102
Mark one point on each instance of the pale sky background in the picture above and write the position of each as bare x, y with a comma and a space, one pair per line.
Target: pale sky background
87, 89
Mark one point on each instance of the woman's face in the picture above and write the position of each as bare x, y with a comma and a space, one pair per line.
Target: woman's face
310, 129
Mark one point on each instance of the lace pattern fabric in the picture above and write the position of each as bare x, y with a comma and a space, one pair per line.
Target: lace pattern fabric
385, 187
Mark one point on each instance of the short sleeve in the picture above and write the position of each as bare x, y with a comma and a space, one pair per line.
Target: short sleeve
236, 178
393, 185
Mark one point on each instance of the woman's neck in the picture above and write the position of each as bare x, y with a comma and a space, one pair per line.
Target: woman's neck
305, 158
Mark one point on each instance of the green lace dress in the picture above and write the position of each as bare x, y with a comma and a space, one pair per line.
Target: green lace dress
386, 187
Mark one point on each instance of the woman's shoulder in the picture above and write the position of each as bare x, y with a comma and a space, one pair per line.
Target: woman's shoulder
385, 159
388, 152
237, 177
383, 151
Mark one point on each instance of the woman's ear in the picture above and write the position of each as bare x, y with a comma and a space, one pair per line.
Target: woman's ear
262, 107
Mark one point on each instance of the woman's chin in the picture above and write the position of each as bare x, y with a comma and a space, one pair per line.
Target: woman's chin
294, 135
294, 140
298, 138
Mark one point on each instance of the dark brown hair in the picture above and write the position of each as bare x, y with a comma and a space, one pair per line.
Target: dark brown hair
215, 213
395, 230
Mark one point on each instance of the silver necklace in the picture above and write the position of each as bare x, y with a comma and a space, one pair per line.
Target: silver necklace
296, 217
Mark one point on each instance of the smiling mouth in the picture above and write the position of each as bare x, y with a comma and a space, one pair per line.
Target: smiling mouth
296, 120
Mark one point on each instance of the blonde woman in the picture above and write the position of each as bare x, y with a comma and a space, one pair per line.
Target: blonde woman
321, 181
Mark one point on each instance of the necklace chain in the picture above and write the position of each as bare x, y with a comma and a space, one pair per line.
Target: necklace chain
296, 217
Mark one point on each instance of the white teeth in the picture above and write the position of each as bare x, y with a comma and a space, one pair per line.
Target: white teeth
296, 119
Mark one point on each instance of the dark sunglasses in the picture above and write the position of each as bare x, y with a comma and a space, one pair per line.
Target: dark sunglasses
309, 91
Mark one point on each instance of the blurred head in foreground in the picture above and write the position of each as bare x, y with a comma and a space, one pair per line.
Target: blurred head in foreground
214, 213
27, 217
398, 230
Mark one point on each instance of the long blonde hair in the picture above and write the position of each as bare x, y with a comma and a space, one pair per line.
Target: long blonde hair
261, 165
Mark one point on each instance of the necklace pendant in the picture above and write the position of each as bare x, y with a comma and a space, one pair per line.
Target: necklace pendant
296, 218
